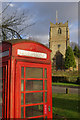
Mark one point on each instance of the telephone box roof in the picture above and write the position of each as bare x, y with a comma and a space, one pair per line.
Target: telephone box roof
16, 41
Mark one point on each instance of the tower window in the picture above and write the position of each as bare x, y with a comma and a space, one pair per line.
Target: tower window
59, 31
59, 46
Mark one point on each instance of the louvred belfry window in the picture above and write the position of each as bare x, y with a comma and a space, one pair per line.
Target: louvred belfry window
59, 31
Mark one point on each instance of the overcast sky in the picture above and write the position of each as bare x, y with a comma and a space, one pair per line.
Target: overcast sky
44, 13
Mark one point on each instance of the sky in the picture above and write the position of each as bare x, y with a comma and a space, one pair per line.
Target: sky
44, 13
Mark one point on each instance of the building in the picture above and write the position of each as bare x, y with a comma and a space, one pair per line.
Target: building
58, 42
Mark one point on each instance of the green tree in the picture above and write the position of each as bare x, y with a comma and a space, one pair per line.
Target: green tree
69, 58
76, 51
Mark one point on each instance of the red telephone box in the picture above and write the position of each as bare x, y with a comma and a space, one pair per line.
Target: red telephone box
26, 79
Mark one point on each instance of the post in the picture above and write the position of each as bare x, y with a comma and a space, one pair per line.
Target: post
67, 90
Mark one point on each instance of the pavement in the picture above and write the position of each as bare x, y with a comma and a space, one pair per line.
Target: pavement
62, 89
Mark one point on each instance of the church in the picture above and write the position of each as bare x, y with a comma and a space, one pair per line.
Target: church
58, 42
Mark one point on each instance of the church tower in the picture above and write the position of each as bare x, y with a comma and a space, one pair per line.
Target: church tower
58, 42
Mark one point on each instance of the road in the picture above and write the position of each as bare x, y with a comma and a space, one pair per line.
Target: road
61, 89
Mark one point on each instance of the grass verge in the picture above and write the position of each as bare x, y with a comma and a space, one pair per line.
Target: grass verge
65, 84
66, 105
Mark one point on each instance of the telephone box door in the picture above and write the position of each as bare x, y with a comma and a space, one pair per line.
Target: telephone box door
33, 99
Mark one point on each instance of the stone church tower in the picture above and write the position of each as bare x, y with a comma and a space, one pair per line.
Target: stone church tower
58, 42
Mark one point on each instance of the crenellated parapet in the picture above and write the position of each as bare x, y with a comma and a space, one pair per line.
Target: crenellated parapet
59, 24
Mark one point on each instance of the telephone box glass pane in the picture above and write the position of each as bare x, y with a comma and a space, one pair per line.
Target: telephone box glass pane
0, 72
22, 112
32, 111
22, 85
45, 73
46, 118
1, 90
22, 98
34, 72
4, 92
33, 98
45, 96
0, 97
45, 84
32, 85
22, 72
0, 85
1, 110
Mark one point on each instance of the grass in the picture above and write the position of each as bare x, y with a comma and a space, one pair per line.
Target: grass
65, 84
66, 105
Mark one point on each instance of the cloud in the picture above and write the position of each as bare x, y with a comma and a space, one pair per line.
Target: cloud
70, 26
41, 0
74, 35
44, 39
11, 5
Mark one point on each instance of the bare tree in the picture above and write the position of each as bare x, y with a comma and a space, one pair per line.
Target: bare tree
13, 25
